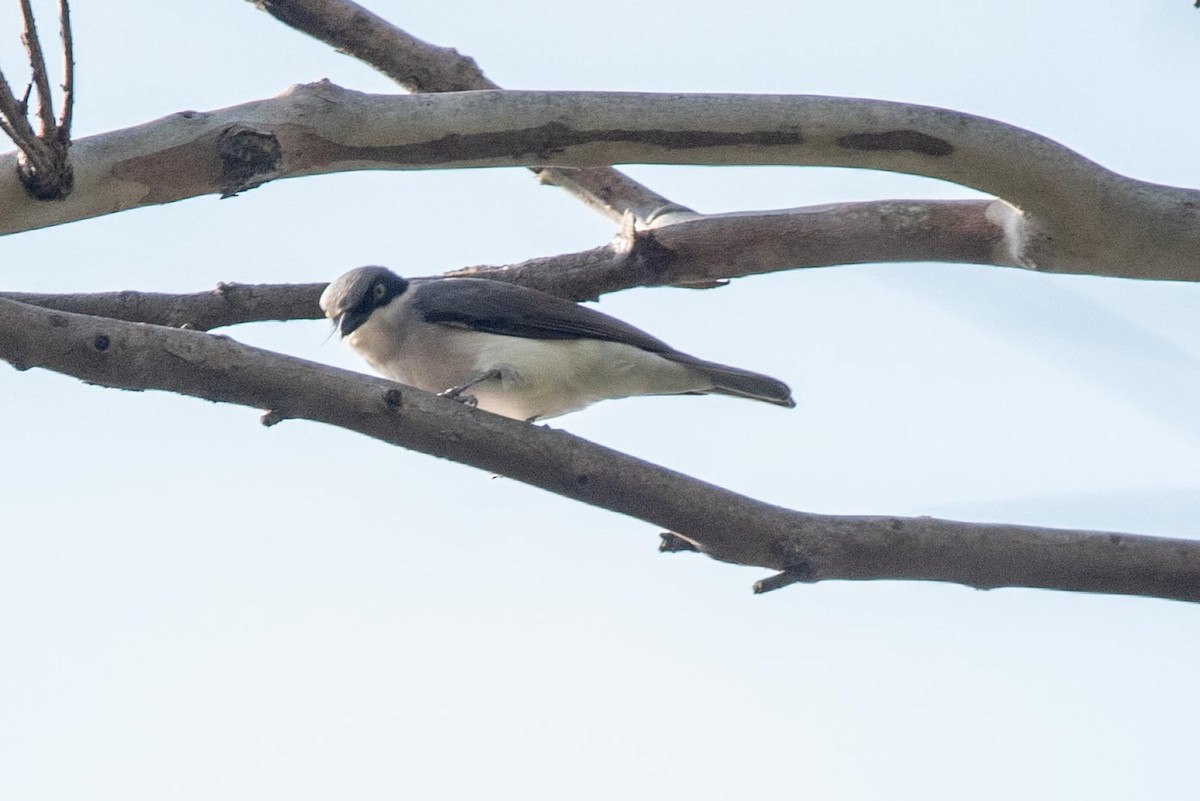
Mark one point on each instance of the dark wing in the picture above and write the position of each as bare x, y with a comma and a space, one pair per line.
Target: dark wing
500, 308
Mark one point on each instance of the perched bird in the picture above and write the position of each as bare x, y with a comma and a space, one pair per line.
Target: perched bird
513, 351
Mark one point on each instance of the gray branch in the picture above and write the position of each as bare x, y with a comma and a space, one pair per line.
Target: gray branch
228, 304
705, 250
696, 252
1074, 216
723, 524
423, 67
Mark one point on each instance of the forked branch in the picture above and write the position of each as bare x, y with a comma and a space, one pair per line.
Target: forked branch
423, 67
1056, 211
43, 163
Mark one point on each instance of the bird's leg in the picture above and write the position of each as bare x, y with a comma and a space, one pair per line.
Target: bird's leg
456, 393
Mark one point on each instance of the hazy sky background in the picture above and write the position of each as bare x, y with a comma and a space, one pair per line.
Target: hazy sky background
195, 607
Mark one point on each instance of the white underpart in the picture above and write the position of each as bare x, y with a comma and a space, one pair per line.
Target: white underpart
540, 378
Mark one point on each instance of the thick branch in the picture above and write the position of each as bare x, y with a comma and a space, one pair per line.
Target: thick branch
721, 523
1078, 217
422, 67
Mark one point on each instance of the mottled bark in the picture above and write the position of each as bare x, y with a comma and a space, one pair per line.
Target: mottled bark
1074, 216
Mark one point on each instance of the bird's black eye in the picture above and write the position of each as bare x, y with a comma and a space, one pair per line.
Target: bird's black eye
380, 291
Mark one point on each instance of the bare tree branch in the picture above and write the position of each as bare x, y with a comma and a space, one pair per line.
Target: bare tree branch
1074, 216
701, 250
13, 120
42, 163
422, 67
356, 31
68, 84
693, 252
720, 523
228, 304
37, 65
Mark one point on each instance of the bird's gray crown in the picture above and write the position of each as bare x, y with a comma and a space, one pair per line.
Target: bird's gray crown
350, 299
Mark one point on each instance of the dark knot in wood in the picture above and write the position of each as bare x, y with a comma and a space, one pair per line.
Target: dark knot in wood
249, 158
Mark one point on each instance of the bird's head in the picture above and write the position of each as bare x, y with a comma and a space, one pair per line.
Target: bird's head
350, 299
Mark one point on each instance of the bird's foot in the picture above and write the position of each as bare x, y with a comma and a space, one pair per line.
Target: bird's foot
457, 394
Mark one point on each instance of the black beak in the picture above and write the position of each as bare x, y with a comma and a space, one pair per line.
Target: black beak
347, 322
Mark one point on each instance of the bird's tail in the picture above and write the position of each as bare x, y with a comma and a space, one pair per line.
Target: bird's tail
735, 381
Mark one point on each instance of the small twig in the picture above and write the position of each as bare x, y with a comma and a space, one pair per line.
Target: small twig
272, 417
37, 64
68, 84
673, 543
780, 580
14, 123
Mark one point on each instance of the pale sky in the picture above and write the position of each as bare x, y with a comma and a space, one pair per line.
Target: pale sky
197, 607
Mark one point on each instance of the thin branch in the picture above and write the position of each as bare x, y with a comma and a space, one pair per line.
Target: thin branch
228, 304
708, 249
423, 67
37, 64
68, 84
720, 523
5, 125
356, 31
15, 125
695, 252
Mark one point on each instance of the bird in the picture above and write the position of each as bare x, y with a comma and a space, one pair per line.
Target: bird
515, 351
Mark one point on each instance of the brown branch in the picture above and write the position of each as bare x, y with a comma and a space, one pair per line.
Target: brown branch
15, 124
693, 252
351, 29
37, 65
706, 249
423, 67
722, 524
68, 84
228, 304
